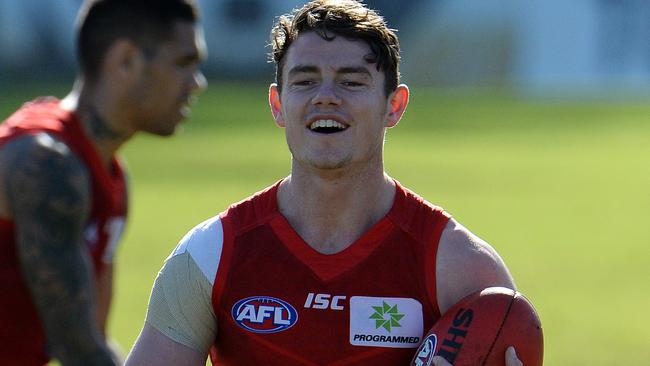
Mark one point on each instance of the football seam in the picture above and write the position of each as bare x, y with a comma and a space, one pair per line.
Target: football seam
503, 322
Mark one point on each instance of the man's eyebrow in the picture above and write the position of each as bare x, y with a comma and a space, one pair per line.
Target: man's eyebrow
343, 70
302, 69
354, 70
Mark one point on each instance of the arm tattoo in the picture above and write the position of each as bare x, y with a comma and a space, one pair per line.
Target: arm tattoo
49, 197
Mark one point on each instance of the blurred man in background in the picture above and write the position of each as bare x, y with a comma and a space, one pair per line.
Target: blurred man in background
63, 195
286, 277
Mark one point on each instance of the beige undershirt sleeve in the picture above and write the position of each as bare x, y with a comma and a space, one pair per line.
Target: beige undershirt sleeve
180, 305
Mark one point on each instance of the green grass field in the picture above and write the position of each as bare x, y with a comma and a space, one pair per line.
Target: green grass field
559, 188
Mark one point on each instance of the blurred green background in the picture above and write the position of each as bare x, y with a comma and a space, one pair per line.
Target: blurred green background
558, 187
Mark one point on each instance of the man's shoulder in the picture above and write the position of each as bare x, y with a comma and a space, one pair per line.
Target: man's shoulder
40, 113
37, 128
417, 216
35, 161
41, 177
200, 236
40, 150
253, 210
40, 156
203, 244
415, 200
466, 264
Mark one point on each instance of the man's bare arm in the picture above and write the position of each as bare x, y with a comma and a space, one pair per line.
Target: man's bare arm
48, 191
152, 348
104, 296
466, 264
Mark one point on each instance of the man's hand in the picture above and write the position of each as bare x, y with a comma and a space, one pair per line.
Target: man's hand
511, 359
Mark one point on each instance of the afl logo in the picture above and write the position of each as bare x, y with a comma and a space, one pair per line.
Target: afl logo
264, 314
426, 351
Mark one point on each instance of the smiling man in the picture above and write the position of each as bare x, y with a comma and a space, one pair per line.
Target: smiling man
63, 195
338, 263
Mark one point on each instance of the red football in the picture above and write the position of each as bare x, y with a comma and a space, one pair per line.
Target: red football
477, 330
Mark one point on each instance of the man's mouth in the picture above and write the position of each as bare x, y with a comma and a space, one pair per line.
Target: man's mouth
327, 126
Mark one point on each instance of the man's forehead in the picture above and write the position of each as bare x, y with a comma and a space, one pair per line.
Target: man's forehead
188, 39
309, 50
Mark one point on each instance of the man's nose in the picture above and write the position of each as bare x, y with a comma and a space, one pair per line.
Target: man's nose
326, 95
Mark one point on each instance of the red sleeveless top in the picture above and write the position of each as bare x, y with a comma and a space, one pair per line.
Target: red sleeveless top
22, 340
280, 302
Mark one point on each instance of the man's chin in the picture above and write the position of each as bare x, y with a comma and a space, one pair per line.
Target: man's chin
329, 164
167, 131
174, 131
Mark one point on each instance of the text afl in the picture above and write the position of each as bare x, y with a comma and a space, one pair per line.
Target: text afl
264, 314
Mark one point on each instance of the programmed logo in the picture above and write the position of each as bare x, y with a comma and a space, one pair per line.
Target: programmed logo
426, 351
394, 322
264, 314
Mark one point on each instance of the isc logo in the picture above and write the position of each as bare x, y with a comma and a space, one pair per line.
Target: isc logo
324, 301
264, 314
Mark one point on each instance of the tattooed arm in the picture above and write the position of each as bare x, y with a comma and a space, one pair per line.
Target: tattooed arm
104, 298
48, 194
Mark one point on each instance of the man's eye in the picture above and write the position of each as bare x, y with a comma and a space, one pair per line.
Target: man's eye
303, 82
187, 61
352, 83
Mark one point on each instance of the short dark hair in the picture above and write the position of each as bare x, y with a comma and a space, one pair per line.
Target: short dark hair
145, 22
348, 18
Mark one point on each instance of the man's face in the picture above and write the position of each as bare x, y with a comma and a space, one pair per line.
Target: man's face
171, 77
332, 104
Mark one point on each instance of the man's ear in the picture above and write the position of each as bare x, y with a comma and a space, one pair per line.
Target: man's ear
124, 61
397, 102
276, 105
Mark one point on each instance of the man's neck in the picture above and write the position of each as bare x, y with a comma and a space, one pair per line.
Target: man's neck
329, 214
97, 119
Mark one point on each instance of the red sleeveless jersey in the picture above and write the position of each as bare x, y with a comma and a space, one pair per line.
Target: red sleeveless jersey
280, 302
22, 340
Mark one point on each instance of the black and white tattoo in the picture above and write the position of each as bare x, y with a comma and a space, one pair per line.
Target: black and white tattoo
99, 129
48, 190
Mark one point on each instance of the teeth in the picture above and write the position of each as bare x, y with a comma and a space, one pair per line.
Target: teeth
326, 123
